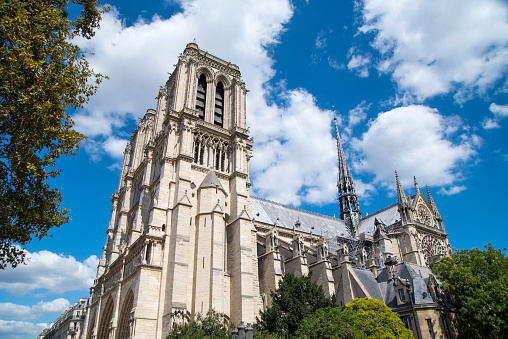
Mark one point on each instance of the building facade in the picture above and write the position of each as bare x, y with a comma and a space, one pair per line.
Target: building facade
185, 235
70, 325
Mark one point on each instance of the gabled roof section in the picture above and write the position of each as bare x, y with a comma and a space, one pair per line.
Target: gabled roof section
185, 200
417, 275
388, 216
211, 181
369, 282
267, 212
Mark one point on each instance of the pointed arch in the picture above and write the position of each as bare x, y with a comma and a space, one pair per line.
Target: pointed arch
124, 325
107, 316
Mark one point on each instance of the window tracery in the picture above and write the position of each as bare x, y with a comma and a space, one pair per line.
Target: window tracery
431, 247
211, 152
424, 215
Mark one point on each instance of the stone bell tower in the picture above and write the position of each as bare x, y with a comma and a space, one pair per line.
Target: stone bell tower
181, 240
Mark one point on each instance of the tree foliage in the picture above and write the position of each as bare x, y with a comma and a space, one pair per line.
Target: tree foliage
211, 326
295, 298
361, 318
478, 282
327, 323
42, 74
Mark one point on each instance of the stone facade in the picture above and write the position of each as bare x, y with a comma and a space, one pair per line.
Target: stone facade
186, 236
181, 240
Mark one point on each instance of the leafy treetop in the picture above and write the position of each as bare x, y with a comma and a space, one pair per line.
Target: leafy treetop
42, 74
361, 318
295, 298
212, 326
478, 282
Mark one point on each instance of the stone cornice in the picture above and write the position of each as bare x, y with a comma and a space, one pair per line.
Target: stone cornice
206, 59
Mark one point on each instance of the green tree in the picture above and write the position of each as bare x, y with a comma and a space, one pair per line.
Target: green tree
295, 298
42, 74
361, 318
478, 282
327, 323
211, 326
259, 334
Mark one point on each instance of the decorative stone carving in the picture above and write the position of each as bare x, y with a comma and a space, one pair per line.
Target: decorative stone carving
431, 247
424, 215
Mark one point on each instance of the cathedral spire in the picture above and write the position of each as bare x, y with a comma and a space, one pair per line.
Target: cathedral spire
348, 200
403, 201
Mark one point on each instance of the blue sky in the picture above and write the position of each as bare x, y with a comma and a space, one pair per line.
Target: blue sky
419, 87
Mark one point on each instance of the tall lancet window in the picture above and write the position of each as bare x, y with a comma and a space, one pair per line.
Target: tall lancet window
201, 97
219, 105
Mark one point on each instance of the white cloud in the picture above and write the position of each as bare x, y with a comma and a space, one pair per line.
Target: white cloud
356, 116
291, 170
20, 329
14, 311
22, 312
99, 146
364, 190
358, 62
321, 39
452, 190
56, 306
499, 111
434, 47
414, 140
115, 147
335, 65
489, 123
49, 271
137, 58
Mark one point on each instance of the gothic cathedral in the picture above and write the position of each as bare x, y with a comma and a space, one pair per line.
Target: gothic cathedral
185, 235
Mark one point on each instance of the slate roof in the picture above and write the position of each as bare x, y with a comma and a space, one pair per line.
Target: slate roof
267, 212
388, 216
418, 275
212, 181
369, 282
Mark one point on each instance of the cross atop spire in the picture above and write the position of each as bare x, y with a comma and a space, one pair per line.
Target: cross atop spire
348, 200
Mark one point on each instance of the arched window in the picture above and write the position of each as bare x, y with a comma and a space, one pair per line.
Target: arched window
201, 97
219, 105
